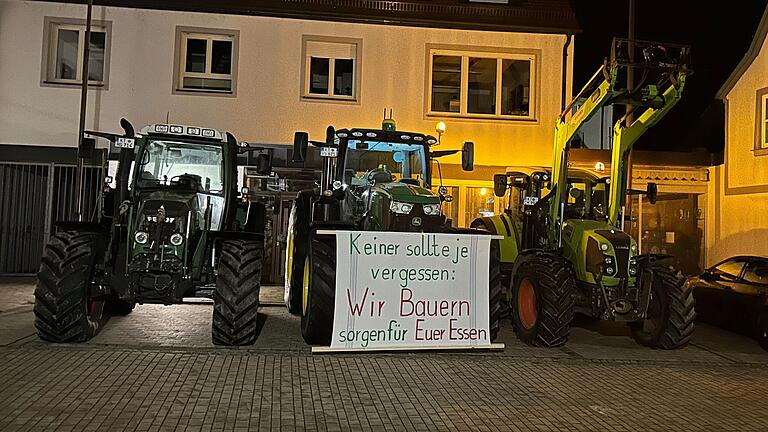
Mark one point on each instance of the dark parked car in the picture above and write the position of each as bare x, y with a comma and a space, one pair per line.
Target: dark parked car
734, 294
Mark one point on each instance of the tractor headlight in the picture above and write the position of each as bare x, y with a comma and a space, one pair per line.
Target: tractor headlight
609, 271
632, 271
608, 260
604, 246
401, 207
431, 209
177, 239
141, 237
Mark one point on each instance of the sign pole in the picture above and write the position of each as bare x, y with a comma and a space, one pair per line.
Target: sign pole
83, 105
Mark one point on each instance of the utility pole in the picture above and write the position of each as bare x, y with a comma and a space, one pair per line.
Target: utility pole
83, 105
627, 210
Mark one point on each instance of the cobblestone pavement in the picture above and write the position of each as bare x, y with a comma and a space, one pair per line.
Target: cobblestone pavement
156, 370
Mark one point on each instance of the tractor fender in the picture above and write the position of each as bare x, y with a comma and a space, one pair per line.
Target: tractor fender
528, 254
218, 236
93, 227
256, 219
502, 225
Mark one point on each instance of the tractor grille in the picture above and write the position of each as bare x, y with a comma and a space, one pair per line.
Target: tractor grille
621, 242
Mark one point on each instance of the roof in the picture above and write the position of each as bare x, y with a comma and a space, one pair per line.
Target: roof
746, 62
528, 16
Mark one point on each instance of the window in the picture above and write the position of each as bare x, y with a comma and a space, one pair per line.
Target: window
331, 68
207, 61
730, 268
757, 272
65, 52
482, 85
762, 122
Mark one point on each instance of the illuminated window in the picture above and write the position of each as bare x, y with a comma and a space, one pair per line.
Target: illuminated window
65, 52
481, 85
762, 132
331, 68
207, 61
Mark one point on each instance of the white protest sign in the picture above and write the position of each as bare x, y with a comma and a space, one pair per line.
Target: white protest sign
410, 290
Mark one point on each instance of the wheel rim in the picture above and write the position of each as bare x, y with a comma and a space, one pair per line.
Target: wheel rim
305, 287
289, 258
526, 304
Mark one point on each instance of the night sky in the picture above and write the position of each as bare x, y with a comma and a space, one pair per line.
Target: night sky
719, 37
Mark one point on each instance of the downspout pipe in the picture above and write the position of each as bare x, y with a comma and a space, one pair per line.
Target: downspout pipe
567, 44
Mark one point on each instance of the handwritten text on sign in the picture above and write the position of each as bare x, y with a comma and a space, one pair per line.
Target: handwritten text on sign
414, 290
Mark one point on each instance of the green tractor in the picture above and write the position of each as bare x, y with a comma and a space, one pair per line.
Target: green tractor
564, 248
173, 227
372, 180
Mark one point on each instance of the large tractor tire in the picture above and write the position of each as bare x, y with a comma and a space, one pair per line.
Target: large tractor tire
495, 291
542, 301
64, 309
319, 291
297, 245
671, 312
236, 298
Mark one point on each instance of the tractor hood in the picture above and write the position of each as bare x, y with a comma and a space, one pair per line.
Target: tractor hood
408, 193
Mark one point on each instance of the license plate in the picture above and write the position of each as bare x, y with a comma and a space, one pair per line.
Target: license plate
329, 151
125, 143
529, 201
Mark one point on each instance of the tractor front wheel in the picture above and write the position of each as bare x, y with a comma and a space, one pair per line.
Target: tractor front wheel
236, 298
495, 290
319, 291
542, 301
65, 310
296, 250
669, 321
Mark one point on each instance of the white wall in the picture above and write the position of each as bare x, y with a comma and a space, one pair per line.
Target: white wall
267, 108
738, 212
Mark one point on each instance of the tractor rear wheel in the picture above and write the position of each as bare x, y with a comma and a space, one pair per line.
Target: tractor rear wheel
319, 291
669, 323
542, 301
236, 298
64, 309
495, 292
296, 251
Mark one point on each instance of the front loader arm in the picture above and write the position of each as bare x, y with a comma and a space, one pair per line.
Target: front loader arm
624, 137
566, 128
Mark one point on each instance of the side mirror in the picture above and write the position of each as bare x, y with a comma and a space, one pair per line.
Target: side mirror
500, 185
330, 136
263, 164
468, 156
651, 192
300, 143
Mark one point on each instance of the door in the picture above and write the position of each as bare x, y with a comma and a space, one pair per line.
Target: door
749, 295
714, 291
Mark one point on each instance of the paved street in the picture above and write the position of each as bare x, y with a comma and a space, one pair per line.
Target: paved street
157, 370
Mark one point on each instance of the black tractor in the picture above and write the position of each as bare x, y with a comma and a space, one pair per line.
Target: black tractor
175, 226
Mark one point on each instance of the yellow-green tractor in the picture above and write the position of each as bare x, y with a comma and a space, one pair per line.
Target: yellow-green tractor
564, 249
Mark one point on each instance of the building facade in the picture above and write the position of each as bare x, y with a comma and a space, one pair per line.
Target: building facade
739, 190
496, 73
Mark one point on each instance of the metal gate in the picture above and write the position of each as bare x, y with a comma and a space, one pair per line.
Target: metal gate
32, 197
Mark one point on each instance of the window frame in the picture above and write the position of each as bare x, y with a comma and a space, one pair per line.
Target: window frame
761, 123
499, 54
51, 26
306, 80
180, 60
